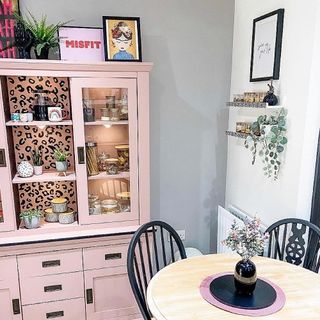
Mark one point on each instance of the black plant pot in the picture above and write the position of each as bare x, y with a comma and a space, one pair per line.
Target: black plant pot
245, 277
44, 54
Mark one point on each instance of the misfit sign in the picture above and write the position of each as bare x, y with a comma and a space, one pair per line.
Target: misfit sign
81, 44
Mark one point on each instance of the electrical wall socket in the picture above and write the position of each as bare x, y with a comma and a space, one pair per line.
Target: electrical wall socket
182, 234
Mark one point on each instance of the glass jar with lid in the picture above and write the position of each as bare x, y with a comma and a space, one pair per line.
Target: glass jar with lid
92, 159
124, 201
112, 166
102, 158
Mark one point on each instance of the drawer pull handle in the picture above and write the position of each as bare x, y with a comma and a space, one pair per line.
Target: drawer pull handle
55, 314
2, 158
50, 263
16, 306
89, 296
53, 288
81, 155
112, 256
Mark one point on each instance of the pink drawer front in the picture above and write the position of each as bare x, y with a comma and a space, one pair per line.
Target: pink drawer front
105, 257
8, 268
40, 264
51, 288
59, 310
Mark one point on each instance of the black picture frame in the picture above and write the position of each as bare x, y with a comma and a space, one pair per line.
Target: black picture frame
107, 41
277, 46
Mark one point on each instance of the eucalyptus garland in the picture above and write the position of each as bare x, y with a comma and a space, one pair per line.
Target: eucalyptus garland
268, 139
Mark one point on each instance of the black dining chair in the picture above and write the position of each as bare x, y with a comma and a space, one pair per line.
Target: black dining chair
295, 241
153, 246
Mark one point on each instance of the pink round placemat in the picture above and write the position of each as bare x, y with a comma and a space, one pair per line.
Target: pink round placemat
275, 307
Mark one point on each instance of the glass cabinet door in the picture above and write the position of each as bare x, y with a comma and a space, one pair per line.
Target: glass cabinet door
105, 130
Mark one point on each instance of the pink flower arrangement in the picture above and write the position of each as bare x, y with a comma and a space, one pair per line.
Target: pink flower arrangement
248, 241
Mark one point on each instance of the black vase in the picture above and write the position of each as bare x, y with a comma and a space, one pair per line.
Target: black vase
23, 39
271, 99
44, 53
245, 277
40, 113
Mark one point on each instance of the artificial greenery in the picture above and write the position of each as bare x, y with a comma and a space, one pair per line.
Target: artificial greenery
269, 144
45, 35
61, 155
30, 214
37, 157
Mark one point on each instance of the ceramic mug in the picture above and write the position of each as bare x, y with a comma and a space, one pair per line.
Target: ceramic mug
56, 113
15, 116
24, 117
30, 116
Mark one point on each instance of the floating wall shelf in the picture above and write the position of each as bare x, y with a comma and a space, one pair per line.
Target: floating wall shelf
237, 134
256, 105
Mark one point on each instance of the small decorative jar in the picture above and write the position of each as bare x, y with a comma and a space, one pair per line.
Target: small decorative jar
25, 169
66, 217
92, 159
51, 216
94, 205
110, 102
110, 206
112, 166
114, 114
105, 114
124, 201
123, 156
88, 111
245, 277
59, 205
102, 158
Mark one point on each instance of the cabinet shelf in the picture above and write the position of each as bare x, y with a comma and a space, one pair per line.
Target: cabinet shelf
255, 105
39, 123
45, 177
106, 123
237, 134
103, 176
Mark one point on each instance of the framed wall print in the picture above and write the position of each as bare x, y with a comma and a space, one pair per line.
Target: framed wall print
7, 30
266, 46
81, 43
122, 38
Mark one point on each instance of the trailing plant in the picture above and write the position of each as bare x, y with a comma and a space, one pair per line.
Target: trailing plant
61, 155
37, 157
29, 214
44, 35
268, 139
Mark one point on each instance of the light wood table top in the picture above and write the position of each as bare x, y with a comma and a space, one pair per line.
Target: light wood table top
173, 293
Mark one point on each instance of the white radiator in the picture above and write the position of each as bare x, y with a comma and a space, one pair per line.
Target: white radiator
225, 220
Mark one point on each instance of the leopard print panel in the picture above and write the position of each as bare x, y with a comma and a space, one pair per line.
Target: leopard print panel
38, 195
27, 138
21, 98
21, 92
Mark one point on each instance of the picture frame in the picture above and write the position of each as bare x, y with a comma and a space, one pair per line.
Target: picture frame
122, 38
81, 43
7, 21
266, 46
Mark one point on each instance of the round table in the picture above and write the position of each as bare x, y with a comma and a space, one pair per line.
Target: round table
173, 293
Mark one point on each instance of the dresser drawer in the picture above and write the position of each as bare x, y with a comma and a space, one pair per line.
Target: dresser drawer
104, 257
50, 263
51, 288
59, 310
8, 268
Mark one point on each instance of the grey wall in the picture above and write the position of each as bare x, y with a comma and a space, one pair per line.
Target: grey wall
190, 43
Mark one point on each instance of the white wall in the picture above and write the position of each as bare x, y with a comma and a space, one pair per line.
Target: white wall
190, 43
247, 188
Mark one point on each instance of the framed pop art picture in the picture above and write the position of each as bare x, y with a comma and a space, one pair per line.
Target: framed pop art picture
266, 46
122, 39
7, 28
81, 43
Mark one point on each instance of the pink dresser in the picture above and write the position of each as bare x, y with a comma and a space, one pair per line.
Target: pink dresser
76, 270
